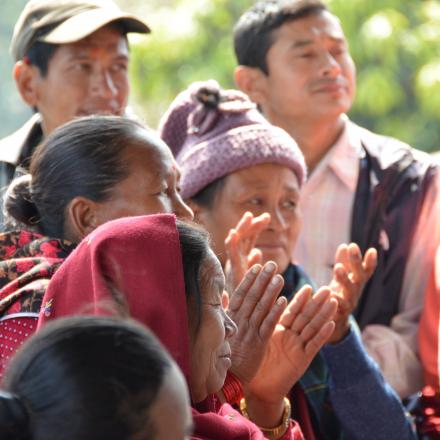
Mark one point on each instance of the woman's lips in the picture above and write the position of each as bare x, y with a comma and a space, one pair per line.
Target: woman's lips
226, 358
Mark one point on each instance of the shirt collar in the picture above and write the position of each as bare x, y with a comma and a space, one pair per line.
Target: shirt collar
343, 158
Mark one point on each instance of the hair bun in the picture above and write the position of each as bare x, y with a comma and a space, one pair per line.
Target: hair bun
18, 205
14, 418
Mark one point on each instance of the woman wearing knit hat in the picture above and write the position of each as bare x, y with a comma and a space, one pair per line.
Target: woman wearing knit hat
242, 177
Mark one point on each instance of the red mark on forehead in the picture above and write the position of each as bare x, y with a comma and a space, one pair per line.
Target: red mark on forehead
94, 51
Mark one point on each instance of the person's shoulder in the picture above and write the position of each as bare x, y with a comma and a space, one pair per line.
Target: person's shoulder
11, 146
389, 150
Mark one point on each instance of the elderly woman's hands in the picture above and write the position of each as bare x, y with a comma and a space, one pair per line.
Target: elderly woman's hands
240, 247
256, 311
304, 327
350, 274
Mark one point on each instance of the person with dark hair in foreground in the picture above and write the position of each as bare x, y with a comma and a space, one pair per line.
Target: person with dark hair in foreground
94, 378
71, 59
372, 190
164, 274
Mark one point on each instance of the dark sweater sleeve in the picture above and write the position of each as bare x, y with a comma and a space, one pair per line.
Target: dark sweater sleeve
367, 407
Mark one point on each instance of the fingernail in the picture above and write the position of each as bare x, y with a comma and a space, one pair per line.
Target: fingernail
255, 269
281, 300
275, 280
269, 267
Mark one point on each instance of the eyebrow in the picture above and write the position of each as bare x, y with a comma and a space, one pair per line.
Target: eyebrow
301, 43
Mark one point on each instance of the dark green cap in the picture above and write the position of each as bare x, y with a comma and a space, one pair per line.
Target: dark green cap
67, 21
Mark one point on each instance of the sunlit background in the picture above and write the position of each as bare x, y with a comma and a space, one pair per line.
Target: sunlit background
395, 44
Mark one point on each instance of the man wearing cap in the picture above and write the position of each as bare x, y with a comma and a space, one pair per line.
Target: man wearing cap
71, 59
373, 190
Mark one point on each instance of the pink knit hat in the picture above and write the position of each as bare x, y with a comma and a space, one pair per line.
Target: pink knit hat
214, 132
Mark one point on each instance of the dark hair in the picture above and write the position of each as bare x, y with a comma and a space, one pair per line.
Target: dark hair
253, 33
40, 54
206, 196
81, 158
88, 378
194, 245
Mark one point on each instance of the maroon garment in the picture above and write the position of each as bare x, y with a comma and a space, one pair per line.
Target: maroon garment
28, 262
138, 261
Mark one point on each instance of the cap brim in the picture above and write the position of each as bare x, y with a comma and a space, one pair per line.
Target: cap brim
82, 25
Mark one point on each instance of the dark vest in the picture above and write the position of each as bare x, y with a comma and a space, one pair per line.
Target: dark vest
390, 192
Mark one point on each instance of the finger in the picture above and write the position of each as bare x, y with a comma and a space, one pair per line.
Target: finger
266, 301
325, 313
245, 221
296, 305
341, 255
355, 267
310, 309
255, 291
231, 247
244, 286
340, 275
370, 261
249, 232
258, 224
270, 321
255, 257
314, 345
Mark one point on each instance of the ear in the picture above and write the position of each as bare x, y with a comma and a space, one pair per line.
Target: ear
26, 78
251, 81
81, 218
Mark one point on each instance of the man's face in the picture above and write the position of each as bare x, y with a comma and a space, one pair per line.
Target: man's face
84, 78
311, 72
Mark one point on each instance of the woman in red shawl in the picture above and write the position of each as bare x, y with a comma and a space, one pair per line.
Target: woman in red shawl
135, 266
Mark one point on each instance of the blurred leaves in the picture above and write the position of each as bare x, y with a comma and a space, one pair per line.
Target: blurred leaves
395, 45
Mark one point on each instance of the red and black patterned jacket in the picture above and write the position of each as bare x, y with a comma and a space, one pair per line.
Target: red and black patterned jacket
27, 263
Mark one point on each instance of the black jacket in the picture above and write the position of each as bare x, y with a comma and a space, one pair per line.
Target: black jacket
392, 185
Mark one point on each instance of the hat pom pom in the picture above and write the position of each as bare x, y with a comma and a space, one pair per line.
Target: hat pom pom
206, 112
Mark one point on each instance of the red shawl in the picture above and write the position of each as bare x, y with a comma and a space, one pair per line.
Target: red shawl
139, 258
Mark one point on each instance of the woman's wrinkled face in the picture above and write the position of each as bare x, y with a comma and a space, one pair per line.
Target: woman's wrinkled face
260, 188
210, 350
152, 186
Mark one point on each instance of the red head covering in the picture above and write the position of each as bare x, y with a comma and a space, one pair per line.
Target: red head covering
139, 259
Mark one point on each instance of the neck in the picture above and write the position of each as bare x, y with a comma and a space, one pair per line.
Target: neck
314, 137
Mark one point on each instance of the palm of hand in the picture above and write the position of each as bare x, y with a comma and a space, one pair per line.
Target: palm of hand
284, 362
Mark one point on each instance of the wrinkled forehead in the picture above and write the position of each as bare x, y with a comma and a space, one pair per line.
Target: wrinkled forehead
212, 277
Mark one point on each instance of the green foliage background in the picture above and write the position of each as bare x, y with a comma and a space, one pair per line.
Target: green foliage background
395, 44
